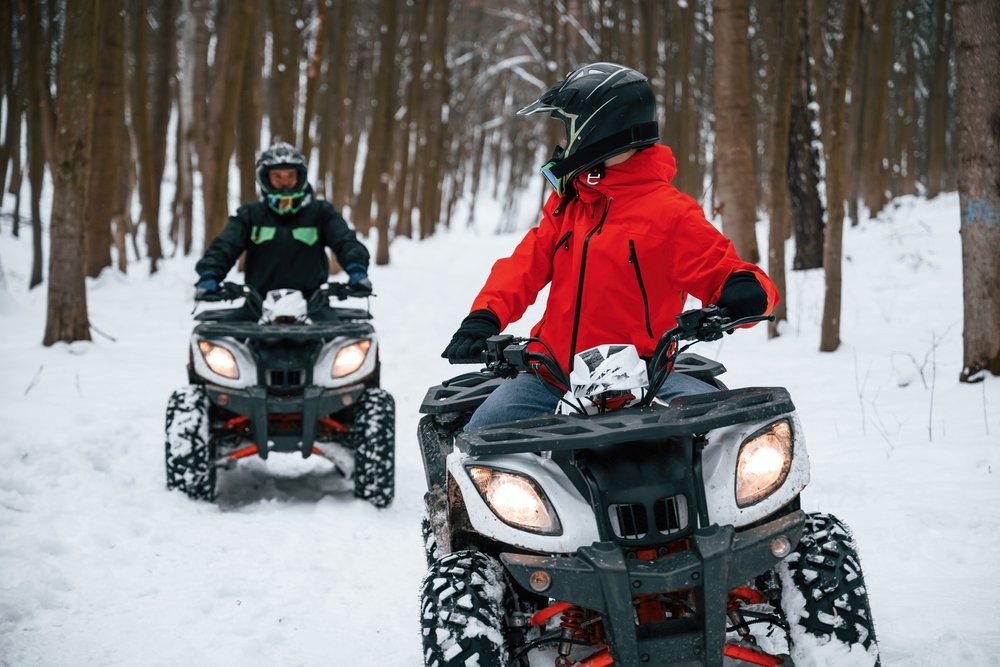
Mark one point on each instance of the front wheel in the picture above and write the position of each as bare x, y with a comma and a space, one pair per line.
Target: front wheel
189, 448
462, 611
374, 440
824, 598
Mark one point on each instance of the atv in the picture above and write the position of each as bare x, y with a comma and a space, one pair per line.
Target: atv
282, 374
652, 534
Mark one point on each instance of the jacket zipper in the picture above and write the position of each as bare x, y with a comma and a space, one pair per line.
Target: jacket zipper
564, 239
579, 289
633, 259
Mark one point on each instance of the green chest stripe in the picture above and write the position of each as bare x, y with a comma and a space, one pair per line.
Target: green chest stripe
262, 234
307, 235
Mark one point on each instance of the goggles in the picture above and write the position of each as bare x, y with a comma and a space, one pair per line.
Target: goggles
557, 182
285, 203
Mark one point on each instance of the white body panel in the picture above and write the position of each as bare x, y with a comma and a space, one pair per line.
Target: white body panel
575, 514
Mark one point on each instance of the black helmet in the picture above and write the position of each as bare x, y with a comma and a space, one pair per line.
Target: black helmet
607, 109
282, 155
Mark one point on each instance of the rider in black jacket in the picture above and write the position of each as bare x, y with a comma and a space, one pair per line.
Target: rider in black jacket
285, 235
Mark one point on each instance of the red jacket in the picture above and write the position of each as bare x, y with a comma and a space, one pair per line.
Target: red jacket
622, 257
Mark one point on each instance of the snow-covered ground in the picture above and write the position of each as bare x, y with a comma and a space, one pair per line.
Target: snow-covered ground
100, 565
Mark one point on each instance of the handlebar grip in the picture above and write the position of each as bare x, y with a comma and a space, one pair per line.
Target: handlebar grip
481, 358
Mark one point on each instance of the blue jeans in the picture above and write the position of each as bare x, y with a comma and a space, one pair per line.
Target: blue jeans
528, 396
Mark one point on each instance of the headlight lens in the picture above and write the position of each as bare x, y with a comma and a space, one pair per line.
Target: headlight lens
220, 360
349, 358
516, 500
763, 463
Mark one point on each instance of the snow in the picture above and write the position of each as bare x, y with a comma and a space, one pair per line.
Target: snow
100, 565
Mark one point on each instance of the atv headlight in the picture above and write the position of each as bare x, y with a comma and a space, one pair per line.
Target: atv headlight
763, 463
220, 360
349, 358
516, 500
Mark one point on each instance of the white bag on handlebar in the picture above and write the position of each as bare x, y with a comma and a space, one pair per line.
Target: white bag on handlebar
284, 306
605, 377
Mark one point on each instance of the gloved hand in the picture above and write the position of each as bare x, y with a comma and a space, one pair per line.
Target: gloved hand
470, 339
207, 284
742, 296
357, 279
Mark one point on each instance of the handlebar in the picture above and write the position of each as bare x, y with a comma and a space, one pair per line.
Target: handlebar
506, 355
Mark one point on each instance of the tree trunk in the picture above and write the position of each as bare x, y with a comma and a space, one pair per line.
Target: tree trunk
939, 101
142, 130
249, 119
283, 82
222, 119
834, 238
734, 128
66, 317
874, 148
387, 96
977, 46
184, 194
803, 161
312, 80
437, 97
788, 41
106, 201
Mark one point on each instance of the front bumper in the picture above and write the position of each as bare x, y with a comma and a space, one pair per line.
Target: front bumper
599, 577
257, 405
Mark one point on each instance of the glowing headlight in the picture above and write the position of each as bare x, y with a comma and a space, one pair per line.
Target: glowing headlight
349, 358
220, 360
516, 500
763, 463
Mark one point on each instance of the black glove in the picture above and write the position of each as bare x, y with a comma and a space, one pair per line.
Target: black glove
470, 339
207, 284
742, 296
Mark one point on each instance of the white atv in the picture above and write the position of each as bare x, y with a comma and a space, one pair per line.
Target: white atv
282, 374
652, 534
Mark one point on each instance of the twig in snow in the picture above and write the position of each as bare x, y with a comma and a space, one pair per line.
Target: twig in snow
98, 331
986, 417
930, 408
34, 379
861, 390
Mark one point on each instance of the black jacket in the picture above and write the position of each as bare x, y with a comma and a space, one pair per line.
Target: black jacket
283, 251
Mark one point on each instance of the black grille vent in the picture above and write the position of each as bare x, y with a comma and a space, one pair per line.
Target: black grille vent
285, 377
631, 521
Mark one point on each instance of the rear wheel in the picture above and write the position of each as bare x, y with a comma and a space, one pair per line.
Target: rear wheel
463, 605
374, 440
824, 597
189, 448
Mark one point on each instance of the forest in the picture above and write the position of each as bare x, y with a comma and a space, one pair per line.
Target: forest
138, 115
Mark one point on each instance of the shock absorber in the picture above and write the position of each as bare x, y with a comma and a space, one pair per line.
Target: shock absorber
571, 622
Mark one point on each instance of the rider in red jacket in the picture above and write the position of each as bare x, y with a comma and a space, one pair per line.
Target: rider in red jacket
619, 245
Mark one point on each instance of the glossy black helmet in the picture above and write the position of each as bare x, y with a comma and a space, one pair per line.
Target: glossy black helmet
607, 109
282, 155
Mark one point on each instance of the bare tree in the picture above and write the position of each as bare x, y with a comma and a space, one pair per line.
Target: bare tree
803, 159
734, 128
66, 317
834, 237
107, 202
977, 38
788, 22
